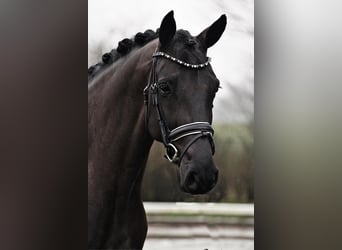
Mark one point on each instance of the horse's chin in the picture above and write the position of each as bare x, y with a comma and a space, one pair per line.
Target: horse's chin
196, 191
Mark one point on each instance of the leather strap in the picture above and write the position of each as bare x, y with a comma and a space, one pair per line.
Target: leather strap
196, 129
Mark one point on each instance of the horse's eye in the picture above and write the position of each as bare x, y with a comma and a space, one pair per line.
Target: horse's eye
165, 88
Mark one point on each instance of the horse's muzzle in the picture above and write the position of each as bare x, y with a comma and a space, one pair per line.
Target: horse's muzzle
198, 178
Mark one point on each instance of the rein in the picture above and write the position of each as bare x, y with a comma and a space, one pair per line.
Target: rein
196, 129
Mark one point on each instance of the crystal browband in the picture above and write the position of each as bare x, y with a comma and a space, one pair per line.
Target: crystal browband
189, 65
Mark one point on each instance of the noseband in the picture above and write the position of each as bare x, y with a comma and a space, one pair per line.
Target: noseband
196, 129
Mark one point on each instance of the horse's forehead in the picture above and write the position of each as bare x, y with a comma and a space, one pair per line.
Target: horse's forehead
202, 77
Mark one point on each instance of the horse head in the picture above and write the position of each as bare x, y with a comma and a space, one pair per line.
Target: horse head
179, 100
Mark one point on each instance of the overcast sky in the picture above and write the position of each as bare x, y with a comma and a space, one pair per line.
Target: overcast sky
232, 57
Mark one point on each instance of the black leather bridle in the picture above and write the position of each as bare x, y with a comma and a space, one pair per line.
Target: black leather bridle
196, 129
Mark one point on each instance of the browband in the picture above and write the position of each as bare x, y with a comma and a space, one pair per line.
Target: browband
189, 65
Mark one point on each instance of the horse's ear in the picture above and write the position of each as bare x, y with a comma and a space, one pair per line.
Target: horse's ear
167, 28
212, 34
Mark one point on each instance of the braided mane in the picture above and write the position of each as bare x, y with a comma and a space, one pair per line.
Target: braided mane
124, 47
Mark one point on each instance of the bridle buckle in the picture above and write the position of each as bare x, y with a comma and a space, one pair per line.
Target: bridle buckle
171, 153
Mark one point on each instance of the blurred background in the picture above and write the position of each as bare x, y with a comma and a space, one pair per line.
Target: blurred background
230, 223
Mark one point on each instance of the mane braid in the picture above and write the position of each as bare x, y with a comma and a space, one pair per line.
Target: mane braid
124, 47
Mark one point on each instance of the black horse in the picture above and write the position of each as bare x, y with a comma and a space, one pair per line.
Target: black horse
162, 90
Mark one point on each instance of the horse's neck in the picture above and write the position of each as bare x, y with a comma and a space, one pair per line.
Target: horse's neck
118, 140
118, 147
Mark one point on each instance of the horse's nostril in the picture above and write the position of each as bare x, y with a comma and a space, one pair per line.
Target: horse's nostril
214, 180
215, 176
192, 182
